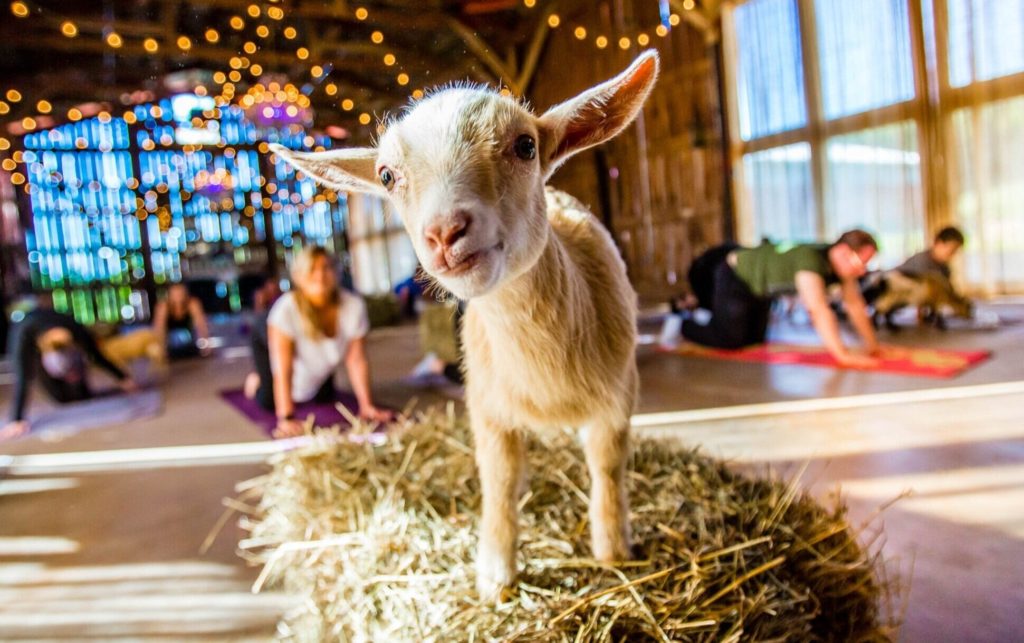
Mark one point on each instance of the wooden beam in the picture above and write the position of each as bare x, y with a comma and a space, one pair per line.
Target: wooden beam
540, 36
486, 55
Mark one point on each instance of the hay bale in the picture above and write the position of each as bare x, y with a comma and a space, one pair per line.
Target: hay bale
379, 544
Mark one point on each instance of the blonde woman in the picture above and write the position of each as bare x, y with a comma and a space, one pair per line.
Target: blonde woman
310, 332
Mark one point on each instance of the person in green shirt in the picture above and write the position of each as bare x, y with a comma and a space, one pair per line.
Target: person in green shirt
737, 285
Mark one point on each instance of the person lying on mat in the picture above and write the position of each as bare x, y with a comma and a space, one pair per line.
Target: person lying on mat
179, 319
737, 285
309, 333
55, 347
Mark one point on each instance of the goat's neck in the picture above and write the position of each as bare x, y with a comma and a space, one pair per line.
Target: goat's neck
546, 294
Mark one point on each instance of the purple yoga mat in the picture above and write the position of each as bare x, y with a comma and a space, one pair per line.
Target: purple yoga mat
324, 415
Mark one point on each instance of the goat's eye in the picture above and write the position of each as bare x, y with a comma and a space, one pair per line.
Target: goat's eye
387, 177
525, 147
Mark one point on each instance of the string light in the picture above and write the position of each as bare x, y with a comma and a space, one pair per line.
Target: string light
237, 23
364, 119
403, 79
19, 9
362, 13
74, 114
9, 165
262, 31
580, 33
529, 3
554, 20
129, 117
184, 43
674, 20
347, 104
115, 40
219, 77
316, 71
69, 29
44, 107
256, 70
212, 36
253, 11
601, 42
302, 53
235, 76
661, 30
377, 37
689, 5
331, 89
13, 95
4, 144
624, 43
417, 94
150, 45
275, 13
28, 123
4, 107
249, 47
290, 33
389, 59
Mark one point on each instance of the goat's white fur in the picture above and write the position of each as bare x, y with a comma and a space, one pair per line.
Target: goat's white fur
550, 332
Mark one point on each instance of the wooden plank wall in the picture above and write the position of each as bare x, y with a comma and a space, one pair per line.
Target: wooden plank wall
665, 195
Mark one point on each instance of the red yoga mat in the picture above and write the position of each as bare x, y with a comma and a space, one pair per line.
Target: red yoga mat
924, 362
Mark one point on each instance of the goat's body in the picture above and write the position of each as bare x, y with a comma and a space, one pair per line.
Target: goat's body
555, 346
929, 293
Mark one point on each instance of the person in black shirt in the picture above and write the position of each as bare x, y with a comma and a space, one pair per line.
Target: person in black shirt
54, 347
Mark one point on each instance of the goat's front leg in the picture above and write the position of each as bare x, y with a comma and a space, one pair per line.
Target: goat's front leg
501, 459
607, 450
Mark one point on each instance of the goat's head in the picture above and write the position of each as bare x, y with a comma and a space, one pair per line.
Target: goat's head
466, 167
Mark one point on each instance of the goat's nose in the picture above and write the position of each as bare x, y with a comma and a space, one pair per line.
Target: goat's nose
443, 235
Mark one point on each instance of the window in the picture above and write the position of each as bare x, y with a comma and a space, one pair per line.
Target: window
771, 87
382, 253
779, 190
988, 205
986, 39
865, 54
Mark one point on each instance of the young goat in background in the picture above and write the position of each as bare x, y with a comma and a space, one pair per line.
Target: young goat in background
550, 330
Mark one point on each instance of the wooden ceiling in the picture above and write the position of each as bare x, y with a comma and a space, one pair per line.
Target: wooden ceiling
432, 41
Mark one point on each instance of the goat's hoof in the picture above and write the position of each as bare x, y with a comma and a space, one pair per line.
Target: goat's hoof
493, 576
611, 550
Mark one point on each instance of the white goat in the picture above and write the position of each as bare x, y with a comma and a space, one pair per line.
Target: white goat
550, 331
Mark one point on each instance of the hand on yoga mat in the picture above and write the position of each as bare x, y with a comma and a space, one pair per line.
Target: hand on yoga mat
855, 360
374, 414
288, 428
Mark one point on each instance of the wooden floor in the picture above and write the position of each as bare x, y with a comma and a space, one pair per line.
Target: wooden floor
116, 554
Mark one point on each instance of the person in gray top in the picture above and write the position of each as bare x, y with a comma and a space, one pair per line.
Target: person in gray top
935, 260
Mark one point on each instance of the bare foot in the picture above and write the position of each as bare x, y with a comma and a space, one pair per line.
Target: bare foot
252, 385
13, 430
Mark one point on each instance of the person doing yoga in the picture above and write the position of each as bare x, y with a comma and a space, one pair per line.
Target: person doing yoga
737, 284
309, 332
54, 347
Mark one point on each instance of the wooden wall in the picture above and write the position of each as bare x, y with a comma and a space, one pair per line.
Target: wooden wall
661, 185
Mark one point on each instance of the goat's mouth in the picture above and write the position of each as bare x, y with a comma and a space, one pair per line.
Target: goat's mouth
461, 265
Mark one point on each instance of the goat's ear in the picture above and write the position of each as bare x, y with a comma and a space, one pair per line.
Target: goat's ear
597, 114
348, 170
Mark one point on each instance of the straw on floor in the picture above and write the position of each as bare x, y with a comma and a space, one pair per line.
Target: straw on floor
378, 542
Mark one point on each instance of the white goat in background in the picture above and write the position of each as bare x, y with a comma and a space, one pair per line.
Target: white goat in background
550, 331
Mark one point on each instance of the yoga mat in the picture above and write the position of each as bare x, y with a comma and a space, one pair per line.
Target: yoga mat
324, 415
104, 410
923, 362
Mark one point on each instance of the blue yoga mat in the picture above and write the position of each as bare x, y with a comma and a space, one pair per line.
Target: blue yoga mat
103, 411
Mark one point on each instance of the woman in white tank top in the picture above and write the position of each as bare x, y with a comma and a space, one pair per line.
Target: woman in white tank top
310, 332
